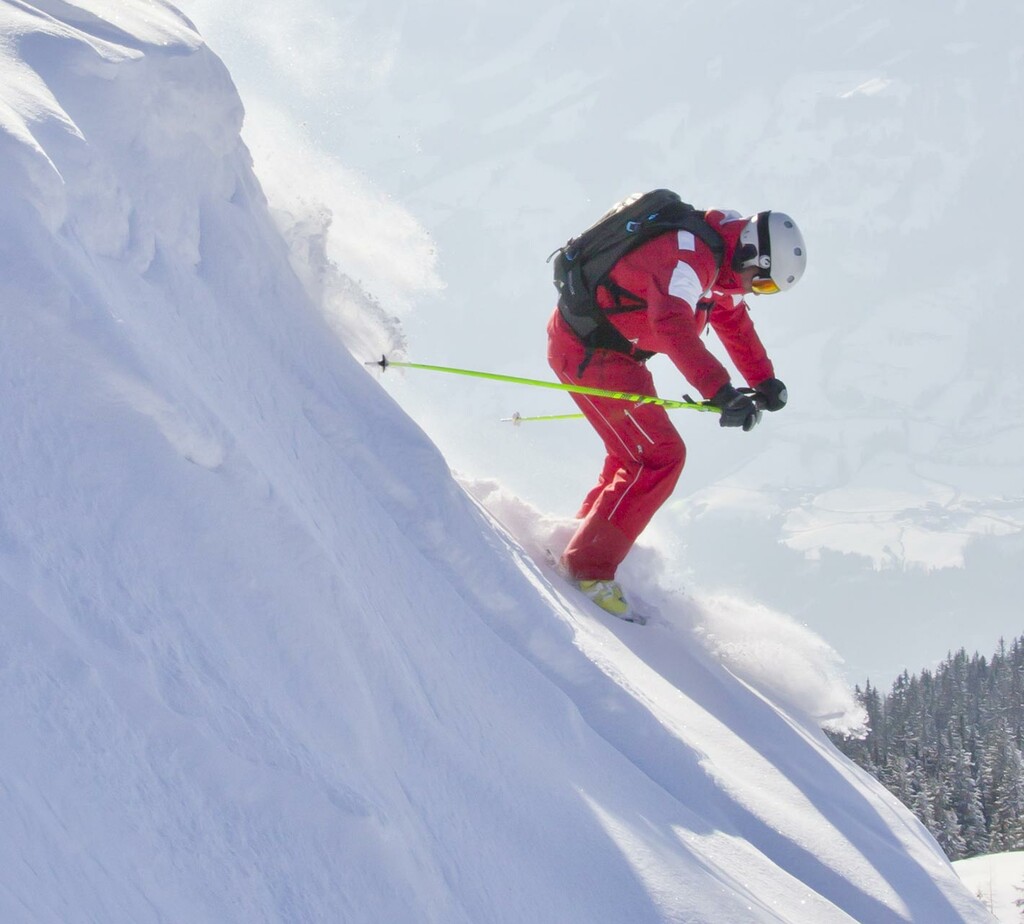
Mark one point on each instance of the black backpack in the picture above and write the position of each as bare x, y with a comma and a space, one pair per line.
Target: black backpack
583, 264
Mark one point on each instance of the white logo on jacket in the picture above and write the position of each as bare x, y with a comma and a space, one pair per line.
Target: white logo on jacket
685, 284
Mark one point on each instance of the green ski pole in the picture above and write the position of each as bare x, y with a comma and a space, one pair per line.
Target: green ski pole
632, 398
516, 419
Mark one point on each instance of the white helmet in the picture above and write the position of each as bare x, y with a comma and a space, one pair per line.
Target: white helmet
772, 242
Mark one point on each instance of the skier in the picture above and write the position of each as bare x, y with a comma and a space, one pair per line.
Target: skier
660, 297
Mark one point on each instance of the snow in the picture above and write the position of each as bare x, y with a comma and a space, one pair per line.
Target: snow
263, 658
998, 880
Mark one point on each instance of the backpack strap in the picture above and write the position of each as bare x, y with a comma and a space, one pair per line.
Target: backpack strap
589, 322
584, 264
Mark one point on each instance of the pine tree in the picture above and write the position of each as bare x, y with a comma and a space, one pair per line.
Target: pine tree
872, 703
1005, 769
922, 803
949, 745
965, 801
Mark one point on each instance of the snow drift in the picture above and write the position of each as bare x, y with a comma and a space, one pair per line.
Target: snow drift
262, 659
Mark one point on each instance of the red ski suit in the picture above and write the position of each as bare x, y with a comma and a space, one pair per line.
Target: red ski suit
680, 293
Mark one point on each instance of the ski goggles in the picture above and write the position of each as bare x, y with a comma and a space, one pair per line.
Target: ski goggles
764, 285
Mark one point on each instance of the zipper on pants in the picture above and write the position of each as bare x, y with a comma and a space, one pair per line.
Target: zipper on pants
643, 432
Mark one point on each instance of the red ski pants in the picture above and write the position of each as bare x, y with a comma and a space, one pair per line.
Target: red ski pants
645, 455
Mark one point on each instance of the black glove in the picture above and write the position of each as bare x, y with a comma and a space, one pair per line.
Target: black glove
773, 393
738, 409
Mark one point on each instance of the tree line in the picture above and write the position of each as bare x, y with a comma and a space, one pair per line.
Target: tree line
948, 744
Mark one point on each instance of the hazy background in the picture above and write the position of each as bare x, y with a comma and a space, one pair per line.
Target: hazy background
884, 507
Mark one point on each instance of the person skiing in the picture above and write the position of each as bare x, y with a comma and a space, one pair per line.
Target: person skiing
659, 298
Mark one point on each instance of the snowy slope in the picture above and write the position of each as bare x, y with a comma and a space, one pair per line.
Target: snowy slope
262, 659
998, 880
887, 130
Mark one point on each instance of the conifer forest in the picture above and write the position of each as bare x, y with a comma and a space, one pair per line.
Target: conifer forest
948, 744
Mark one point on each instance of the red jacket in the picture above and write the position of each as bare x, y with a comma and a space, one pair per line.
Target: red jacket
674, 276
